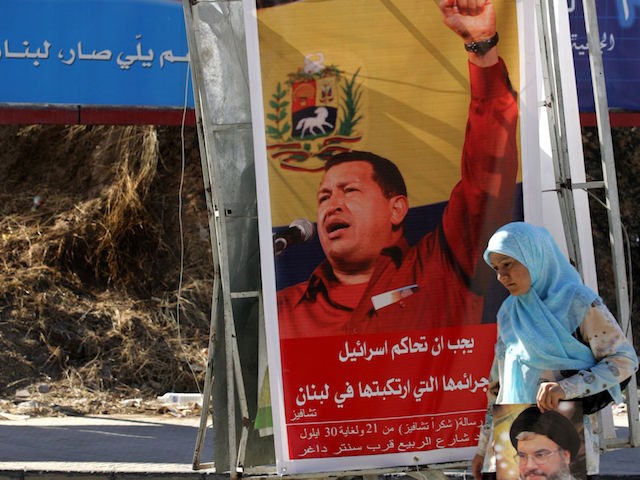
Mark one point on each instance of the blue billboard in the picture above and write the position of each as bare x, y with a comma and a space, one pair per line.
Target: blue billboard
134, 53
125, 53
619, 29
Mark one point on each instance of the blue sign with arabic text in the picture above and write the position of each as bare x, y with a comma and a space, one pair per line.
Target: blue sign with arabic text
94, 52
135, 53
619, 30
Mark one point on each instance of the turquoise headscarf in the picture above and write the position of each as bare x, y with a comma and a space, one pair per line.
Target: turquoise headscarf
536, 327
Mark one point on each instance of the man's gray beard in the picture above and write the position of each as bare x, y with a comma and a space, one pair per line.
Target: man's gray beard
563, 474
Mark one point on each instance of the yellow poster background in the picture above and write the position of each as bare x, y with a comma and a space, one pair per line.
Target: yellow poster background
410, 76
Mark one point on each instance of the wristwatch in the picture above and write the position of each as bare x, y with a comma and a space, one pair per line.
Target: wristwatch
483, 46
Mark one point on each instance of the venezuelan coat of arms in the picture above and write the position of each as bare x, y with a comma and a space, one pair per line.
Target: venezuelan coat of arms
313, 115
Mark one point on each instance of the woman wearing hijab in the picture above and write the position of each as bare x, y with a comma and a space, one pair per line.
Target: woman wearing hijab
551, 323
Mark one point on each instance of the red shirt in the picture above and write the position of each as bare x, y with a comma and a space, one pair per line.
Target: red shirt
431, 284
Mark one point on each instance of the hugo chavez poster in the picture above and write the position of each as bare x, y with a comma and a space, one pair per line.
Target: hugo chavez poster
352, 385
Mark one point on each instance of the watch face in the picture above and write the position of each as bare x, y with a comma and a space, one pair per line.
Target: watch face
483, 46
473, 47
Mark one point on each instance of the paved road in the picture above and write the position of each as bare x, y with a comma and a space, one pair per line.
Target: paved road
109, 446
102, 443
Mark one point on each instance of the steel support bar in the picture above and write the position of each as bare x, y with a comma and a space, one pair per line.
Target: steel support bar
207, 389
547, 32
548, 38
611, 199
215, 299
244, 410
222, 295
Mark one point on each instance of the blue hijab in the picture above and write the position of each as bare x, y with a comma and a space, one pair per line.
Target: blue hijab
536, 327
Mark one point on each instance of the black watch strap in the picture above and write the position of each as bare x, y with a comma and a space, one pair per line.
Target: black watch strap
483, 46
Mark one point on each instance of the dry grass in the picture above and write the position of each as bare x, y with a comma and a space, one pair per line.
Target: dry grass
88, 281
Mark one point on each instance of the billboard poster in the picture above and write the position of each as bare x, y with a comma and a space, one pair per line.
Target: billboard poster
128, 53
386, 155
619, 36
135, 53
533, 443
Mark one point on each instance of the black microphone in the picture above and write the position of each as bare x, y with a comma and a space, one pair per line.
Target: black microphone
299, 231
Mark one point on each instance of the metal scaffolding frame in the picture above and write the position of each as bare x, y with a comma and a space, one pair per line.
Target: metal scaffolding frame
548, 37
216, 44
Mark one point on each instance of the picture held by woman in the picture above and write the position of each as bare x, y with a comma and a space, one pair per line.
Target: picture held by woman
550, 324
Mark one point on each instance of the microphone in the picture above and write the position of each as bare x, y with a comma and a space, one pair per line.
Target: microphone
299, 231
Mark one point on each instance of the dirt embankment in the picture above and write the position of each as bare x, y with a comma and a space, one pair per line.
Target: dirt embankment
626, 149
104, 288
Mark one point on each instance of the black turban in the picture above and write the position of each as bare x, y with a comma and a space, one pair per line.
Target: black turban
551, 424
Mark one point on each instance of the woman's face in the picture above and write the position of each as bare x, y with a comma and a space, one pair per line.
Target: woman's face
511, 273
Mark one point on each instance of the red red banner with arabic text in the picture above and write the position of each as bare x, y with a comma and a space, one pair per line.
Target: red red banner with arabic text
386, 393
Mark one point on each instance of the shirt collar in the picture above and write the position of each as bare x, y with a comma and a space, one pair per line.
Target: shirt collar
322, 277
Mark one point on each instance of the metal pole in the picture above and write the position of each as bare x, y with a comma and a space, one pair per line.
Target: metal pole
217, 233
557, 125
208, 382
221, 128
611, 199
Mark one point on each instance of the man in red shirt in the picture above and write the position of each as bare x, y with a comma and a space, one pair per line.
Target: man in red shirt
372, 280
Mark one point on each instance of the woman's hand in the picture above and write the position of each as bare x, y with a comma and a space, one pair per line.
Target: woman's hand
476, 466
549, 396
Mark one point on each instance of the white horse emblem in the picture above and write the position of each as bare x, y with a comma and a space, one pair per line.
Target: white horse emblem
310, 124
